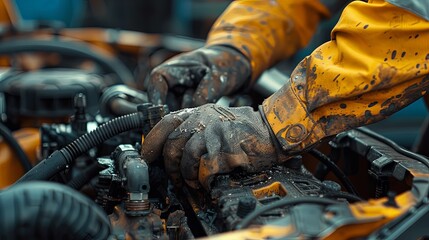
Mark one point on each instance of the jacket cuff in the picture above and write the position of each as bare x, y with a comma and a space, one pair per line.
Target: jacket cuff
289, 118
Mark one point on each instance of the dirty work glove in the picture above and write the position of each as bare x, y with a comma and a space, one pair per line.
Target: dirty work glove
198, 77
199, 143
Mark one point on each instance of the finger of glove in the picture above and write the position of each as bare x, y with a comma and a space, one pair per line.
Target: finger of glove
157, 89
213, 165
224, 153
154, 142
209, 90
173, 150
194, 149
183, 73
165, 78
208, 169
214, 161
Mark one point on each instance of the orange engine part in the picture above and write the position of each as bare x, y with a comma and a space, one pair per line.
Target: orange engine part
10, 167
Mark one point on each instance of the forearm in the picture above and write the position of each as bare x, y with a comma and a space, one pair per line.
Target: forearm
267, 31
376, 64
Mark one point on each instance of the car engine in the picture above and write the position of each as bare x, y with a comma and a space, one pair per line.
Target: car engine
82, 132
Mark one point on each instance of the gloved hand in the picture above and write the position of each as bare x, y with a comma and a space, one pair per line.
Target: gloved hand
198, 77
199, 143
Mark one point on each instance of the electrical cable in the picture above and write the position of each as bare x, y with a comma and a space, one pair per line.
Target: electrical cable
322, 171
14, 145
335, 169
282, 203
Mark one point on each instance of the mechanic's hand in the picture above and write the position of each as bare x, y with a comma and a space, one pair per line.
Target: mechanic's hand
201, 142
198, 77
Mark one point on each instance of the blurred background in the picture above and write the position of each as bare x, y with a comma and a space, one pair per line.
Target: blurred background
185, 17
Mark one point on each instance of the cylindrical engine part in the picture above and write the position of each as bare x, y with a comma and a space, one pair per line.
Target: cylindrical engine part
46, 210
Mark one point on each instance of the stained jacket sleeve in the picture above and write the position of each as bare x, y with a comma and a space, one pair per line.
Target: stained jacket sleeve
266, 31
375, 64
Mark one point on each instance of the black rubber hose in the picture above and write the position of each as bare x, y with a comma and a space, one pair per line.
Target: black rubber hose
282, 203
59, 160
335, 169
14, 145
85, 176
46, 210
119, 106
77, 49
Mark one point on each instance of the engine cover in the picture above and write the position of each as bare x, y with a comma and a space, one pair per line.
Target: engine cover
234, 196
48, 93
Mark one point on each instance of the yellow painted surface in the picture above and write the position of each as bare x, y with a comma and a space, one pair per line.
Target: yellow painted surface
10, 167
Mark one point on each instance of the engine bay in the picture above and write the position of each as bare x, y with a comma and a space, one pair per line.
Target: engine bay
84, 131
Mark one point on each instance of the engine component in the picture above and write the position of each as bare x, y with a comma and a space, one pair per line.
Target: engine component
235, 196
126, 178
121, 100
285, 201
85, 176
57, 136
59, 160
47, 95
134, 171
109, 186
123, 191
45, 210
150, 226
126, 227
80, 119
413, 223
321, 217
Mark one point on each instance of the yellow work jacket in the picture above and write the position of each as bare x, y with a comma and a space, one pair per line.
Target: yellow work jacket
375, 64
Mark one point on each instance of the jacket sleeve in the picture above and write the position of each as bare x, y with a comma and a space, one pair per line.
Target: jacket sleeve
376, 63
266, 31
